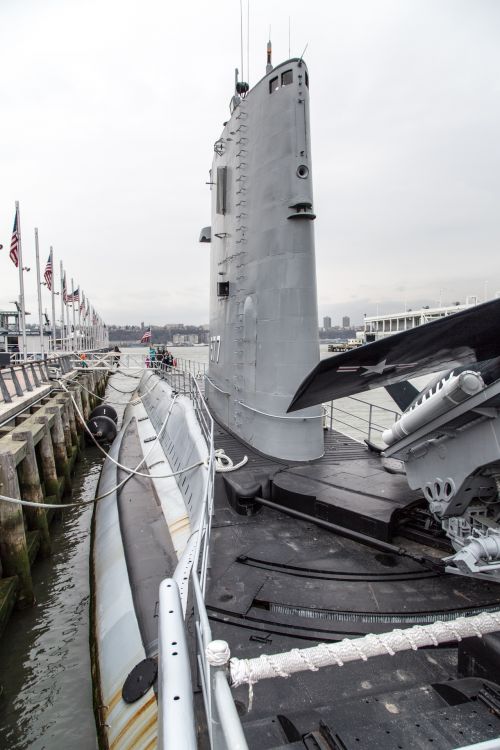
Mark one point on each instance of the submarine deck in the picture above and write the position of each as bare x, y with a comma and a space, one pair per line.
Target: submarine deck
277, 582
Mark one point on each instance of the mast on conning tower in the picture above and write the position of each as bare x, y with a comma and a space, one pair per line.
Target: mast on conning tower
269, 65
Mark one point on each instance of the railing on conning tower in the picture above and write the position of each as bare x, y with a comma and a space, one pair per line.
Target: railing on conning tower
353, 416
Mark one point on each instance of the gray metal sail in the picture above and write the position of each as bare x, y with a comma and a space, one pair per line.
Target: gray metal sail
263, 301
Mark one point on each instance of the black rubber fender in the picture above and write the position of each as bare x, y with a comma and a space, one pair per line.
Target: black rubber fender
104, 410
102, 428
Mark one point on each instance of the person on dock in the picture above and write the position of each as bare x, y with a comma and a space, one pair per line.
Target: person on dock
116, 358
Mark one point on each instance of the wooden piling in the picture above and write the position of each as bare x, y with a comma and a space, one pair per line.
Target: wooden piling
72, 422
31, 489
85, 399
77, 394
59, 446
62, 400
13, 544
49, 471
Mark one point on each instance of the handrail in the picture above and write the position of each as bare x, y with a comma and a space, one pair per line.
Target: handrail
224, 727
18, 380
371, 425
174, 673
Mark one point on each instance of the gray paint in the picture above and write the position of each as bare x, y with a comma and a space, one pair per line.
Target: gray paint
264, 335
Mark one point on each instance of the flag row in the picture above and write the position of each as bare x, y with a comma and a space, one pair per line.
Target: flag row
86, 330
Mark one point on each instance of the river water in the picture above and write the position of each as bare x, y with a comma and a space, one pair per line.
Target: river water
45, 681
45, 684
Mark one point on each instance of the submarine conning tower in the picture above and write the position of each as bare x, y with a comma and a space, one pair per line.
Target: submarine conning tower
263, 300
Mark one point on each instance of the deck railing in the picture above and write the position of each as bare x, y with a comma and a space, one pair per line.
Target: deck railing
358, 418
19, 380
223, 724
351, 415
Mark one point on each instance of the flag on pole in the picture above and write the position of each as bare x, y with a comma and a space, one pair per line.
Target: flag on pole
82, 303
47, 274
74, 296
64, 289
14, 244
146, 336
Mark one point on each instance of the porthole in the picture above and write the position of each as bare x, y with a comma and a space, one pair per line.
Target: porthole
302, 171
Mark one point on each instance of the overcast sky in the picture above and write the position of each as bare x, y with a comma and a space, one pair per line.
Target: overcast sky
109, 110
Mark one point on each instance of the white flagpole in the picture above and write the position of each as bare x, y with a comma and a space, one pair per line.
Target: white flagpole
87, 325
21, 282
39, 290
80, 298
68, 327
62, 308
53, 293
73, 306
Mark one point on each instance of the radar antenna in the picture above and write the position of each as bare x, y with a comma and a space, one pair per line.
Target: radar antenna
303, 53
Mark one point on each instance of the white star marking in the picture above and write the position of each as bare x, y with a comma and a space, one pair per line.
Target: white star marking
378, 369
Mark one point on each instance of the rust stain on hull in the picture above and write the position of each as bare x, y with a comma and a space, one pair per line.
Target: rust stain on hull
138, 727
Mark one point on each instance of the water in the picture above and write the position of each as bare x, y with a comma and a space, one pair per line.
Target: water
44, 652
46, 703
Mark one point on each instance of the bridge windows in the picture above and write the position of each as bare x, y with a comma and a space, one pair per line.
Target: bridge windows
286, 80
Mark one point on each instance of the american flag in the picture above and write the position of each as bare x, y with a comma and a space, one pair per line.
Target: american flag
82, 303
64, 289
74, 296
146, 336
14, 245
47, 274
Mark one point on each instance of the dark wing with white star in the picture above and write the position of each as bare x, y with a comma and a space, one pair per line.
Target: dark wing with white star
468, 336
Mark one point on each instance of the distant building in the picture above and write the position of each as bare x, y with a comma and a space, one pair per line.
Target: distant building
327, 323
380, 326
346, 322
185, 339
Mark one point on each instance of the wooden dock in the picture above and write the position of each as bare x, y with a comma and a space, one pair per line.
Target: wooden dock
41, 437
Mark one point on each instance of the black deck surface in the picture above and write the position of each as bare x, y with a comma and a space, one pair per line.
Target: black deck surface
276, 583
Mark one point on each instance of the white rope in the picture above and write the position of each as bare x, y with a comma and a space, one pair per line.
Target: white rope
250, 671
132, 472
224, 464
128, 468
217, 653
136, 400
